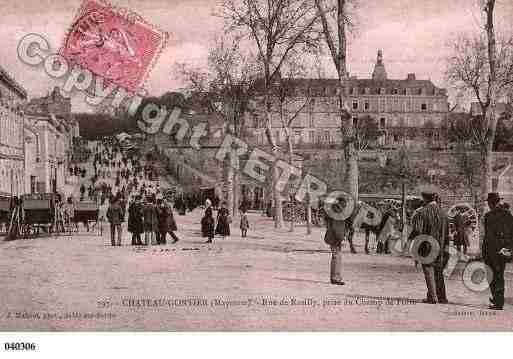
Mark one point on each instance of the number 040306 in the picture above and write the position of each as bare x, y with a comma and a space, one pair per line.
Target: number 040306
20, 346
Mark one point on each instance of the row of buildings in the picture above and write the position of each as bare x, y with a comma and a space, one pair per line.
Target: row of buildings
36, 140
409, 108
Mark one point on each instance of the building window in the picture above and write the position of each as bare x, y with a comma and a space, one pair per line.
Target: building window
310, 121
38, 146
382, 122
367, 106
311, 136
396, 105
327, 137
297, 136
395, 91
355, 104
32, 184
381, 105
423, 107
355, 121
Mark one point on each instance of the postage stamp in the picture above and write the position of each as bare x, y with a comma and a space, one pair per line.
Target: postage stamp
114, 43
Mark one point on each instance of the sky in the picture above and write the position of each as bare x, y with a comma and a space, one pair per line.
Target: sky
414, 35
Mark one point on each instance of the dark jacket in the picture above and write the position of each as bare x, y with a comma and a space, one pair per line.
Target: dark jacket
115, 214
498, 234
431, 220
207, 224
150, 218
163, 219
223, 224
135, 218
335, 231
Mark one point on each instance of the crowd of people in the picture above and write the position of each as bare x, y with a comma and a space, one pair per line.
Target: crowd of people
126, 187
431, 221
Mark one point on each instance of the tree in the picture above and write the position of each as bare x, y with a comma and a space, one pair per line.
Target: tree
403, 170
338, 53
482, 66
290, 102
280, 30
367, 132
228, 85
466, 165
468, 130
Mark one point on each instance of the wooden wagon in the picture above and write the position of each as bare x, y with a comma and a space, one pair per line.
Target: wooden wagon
87, 213
39, 214
5, 214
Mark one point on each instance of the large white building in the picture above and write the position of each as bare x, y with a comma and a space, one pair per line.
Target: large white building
411, 108
49, 133
12, 170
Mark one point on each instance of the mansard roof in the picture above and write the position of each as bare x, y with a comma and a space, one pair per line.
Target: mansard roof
328, 87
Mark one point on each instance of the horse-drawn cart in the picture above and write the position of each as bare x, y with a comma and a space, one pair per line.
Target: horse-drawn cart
5, 214
39, 214
87, 213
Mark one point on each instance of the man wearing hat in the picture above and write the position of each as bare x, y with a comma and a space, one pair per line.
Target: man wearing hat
432, 221
497, 247
335, 234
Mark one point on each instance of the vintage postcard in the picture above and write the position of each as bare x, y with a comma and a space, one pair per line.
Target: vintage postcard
250, 165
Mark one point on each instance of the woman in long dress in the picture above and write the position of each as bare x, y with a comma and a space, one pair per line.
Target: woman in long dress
207, 225
223, 221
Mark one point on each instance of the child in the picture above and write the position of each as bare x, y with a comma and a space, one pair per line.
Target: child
244, 223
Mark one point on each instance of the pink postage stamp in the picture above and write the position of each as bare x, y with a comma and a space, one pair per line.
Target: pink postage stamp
113, 43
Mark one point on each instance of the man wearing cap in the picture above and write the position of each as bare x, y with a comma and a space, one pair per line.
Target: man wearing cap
335, 233
432, 221
497, 247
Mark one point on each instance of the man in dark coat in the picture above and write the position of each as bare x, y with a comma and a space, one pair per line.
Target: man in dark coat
163, 221
172, 224
432, 221
135, 221
116, 217
497, 247
335, 234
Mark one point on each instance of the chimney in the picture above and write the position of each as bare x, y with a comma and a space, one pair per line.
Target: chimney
411, 77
